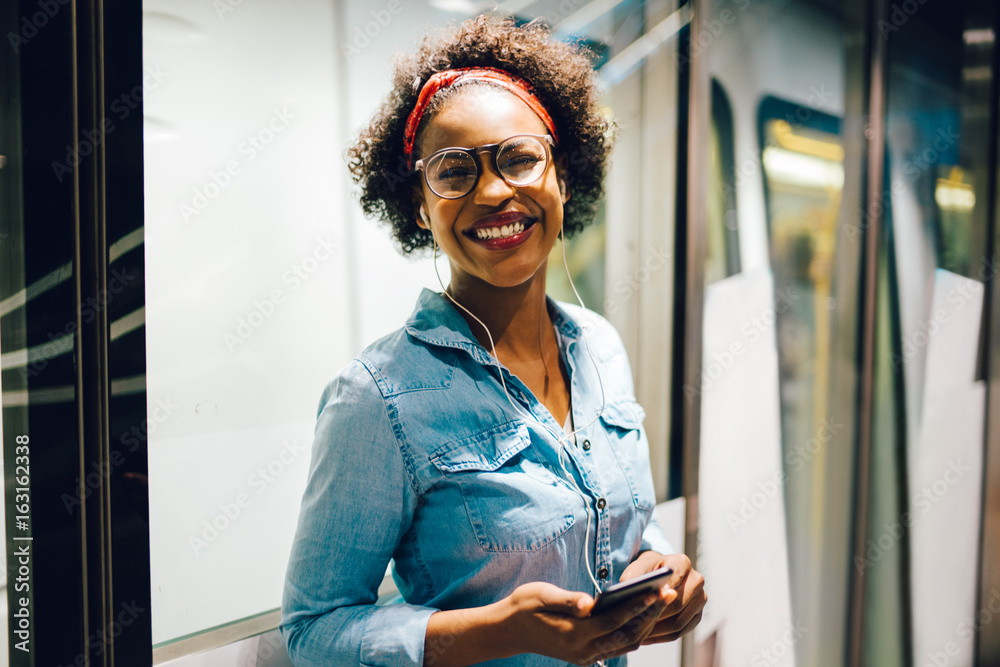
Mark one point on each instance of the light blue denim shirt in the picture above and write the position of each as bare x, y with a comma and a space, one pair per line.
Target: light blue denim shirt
420, 458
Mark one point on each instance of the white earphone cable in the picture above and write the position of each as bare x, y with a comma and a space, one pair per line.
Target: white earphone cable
561, 438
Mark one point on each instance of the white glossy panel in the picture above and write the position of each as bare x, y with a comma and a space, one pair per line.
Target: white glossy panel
742, 541
946, 466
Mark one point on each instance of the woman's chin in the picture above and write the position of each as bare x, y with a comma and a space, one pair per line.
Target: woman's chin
514, 277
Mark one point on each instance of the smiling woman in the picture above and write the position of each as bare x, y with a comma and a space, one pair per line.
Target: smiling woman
561, 80
511, 483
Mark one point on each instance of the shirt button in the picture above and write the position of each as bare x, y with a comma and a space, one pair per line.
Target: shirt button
601, 503
586, 445
602, 573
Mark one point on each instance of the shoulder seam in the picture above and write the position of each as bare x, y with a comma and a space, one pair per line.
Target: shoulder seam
391, 413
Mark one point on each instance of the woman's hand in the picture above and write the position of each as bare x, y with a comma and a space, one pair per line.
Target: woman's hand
684, 603
544, 619
557, 623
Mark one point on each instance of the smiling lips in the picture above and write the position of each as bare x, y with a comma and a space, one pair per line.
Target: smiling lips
502, 231
483, 233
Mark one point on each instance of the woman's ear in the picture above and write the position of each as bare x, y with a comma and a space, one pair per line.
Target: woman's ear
562, 174
420, 209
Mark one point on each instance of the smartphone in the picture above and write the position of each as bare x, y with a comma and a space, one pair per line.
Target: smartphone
651, 582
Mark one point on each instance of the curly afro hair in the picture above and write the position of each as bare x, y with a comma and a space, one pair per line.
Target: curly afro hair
563, 79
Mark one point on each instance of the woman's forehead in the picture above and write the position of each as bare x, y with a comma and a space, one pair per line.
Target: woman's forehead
478, 115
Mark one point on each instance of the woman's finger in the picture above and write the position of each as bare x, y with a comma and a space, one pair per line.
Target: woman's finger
630, 635
691, 589
673, 624
654, 638
625, 612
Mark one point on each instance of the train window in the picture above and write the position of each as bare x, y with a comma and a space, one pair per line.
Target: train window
803, 169
723, 256
773, 469
941, 103
954, 199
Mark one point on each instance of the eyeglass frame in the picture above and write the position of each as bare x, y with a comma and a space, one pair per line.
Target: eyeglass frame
548, 142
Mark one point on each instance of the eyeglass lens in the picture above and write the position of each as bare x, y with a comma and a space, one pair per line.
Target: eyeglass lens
453, 173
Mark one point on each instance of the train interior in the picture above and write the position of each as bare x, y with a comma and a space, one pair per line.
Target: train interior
251, 278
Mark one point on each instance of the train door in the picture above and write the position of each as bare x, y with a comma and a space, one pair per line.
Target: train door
850, 447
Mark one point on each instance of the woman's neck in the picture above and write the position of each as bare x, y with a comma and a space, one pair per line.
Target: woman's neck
517, 317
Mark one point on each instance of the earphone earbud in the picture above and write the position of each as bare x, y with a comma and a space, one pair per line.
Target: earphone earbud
423, 216
562, 189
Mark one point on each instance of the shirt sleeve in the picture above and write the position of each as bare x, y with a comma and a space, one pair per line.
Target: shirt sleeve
357, 505
653, 538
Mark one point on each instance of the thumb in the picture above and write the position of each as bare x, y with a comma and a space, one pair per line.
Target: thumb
571, 603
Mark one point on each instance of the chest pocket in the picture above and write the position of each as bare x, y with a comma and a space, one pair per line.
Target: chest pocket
623, 421
513, 502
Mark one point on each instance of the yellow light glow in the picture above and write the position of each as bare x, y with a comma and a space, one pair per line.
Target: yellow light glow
794, 168
787, 138
954, 196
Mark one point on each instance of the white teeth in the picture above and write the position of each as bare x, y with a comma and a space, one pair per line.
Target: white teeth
485, 233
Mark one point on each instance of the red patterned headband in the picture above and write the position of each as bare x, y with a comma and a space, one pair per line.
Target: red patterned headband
440, 80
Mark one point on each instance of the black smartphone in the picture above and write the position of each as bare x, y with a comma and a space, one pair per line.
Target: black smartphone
647, 583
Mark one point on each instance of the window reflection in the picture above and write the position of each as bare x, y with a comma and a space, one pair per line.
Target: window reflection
803, 164
723, 256
939, 109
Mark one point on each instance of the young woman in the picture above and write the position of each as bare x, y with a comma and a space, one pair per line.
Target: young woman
492, 447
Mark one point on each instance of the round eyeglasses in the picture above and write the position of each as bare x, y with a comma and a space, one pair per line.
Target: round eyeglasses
521, 160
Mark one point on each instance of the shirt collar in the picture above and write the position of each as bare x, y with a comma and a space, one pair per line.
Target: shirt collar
435, 320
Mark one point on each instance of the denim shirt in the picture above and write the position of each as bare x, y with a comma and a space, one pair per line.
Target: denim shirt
420, 458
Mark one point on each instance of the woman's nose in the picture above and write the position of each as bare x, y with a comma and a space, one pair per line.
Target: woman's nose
492, 187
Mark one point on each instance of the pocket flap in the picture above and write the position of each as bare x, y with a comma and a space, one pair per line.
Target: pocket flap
487, 450
626, 414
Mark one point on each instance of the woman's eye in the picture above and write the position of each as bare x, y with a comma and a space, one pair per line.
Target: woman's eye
454, 174
523, 160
